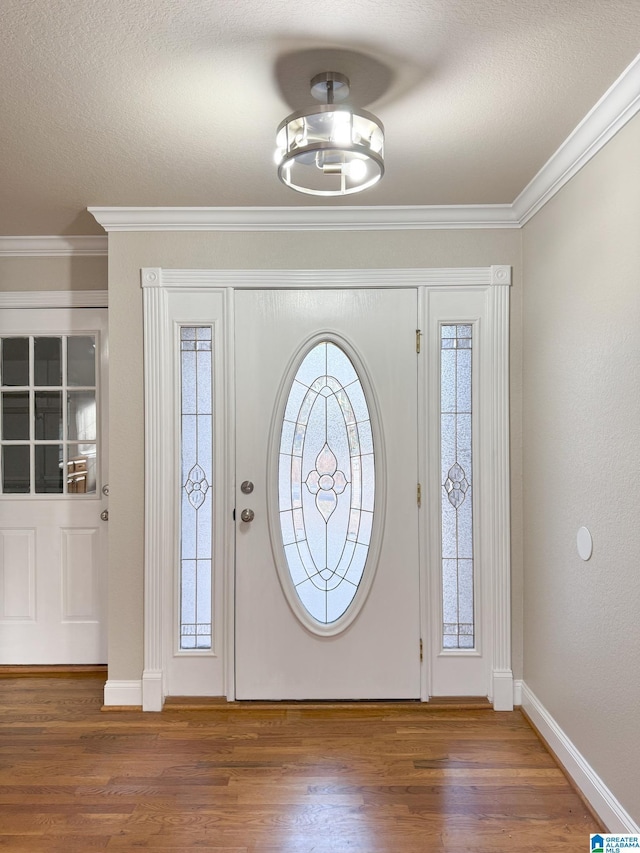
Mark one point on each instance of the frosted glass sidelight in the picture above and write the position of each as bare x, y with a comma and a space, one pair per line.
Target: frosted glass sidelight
458, 628
196, 458
326, 478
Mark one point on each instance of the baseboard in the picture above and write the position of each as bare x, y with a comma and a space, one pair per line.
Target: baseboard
502, 690
517, 692
123, 693
598, 796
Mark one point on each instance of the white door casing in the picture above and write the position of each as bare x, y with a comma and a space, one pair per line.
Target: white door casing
53, 547
470, 672
163, 292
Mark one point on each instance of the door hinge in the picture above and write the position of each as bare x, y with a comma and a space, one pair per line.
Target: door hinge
419, 495
420, 650
418, 336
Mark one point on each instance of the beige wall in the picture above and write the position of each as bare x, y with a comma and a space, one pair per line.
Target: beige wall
83, 273
582, 461
128, 252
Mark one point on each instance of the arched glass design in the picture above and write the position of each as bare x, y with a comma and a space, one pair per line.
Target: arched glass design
326, 482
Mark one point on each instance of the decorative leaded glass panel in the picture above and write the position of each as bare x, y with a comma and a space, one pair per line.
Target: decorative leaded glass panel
196, 454
457, 501
326, 482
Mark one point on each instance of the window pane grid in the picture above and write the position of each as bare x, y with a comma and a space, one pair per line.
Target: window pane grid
458, 625
196, 458
49, 456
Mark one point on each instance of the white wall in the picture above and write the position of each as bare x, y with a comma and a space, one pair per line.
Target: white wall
581, 436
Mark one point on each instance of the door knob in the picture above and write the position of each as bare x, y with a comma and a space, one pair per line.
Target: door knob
247, 515
104, 515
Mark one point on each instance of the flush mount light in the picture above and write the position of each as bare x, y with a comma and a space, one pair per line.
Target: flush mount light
331, 149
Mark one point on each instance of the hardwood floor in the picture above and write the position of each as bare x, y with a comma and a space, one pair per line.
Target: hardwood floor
367, 779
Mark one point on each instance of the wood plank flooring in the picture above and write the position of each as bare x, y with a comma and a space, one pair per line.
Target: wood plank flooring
366, 779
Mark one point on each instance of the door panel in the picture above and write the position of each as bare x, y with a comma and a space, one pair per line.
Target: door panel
53, 543
278, 654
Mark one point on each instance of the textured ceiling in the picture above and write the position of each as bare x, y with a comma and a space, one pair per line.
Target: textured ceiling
176, 102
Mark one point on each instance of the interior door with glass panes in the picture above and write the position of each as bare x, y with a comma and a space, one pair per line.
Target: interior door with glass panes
327, 576
53, 541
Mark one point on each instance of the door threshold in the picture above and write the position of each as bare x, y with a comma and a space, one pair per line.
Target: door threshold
220, 703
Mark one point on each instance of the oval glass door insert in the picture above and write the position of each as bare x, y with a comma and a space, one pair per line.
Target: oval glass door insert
326, 482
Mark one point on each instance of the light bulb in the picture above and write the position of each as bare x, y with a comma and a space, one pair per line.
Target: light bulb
341, 131
357, 169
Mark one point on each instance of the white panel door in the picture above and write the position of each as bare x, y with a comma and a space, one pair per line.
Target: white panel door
53, 543
374, 650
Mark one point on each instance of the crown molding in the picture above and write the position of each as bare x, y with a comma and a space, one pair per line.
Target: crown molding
619, 104
54, 299
328, 218
612, 112
53, 247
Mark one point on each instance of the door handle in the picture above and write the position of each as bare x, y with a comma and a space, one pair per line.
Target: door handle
247, 515
104, 515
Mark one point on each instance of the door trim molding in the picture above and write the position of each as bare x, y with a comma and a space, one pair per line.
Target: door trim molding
498, 274
499, 545
158, 466
156, 284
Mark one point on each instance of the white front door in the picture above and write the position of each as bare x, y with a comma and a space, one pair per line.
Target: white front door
53, 541
327, 569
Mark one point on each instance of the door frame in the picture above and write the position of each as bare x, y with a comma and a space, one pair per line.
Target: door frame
29, 300
161, 292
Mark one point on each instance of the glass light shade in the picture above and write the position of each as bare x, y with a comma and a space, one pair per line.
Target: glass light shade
330, 150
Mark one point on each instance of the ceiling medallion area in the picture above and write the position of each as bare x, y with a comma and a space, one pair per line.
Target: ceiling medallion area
332, 149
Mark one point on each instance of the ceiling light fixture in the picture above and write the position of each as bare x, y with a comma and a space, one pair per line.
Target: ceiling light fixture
331, 149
